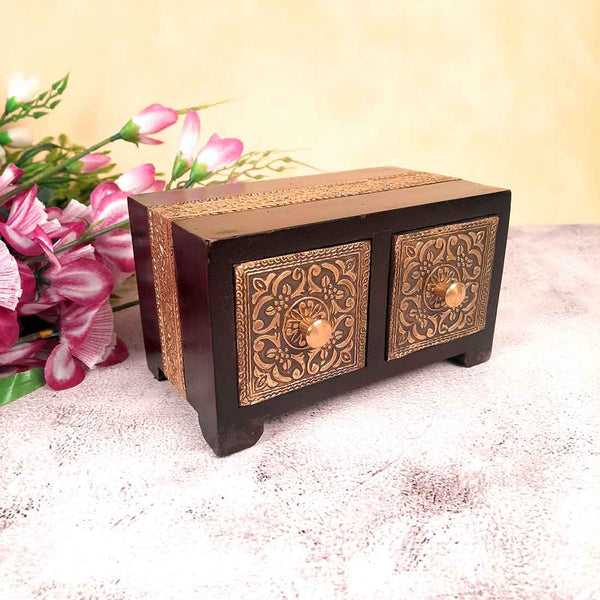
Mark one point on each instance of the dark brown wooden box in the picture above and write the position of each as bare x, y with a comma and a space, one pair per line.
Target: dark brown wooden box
381, 270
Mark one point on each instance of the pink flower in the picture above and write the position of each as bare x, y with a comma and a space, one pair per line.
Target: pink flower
9, 328
140, 179
21, 358
89, 163
188, 142
73, 275
26, 214
10, 280
86, 338
108, 206
74, 217
217, 153
8, 177
83, 281
152, 119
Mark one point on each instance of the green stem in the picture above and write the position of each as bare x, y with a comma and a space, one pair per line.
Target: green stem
56, 168
84, 239
38, 335
125, 305
182, 111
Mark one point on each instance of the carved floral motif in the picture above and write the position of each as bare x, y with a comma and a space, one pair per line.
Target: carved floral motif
424, 259
274, 295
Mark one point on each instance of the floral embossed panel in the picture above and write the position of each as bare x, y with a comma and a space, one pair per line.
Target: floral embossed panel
429, 261
275, 296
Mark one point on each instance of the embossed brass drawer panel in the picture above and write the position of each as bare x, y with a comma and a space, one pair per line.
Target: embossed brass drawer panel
300, 318
440, 286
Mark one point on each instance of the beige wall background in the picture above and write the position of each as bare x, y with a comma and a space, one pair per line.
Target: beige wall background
505, 93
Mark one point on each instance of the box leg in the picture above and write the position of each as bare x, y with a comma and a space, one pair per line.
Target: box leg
231, 438
473, 357
155, 368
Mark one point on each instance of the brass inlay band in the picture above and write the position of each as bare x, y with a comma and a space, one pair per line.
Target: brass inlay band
167, 301
441, 284
309, 193
278, 299
161, 243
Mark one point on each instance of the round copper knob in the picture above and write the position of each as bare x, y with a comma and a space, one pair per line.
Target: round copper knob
316, 332
451, 292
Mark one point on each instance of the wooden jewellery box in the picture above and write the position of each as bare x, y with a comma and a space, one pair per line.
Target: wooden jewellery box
260, 297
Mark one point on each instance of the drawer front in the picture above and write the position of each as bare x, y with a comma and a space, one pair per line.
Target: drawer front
440, 284
300, 318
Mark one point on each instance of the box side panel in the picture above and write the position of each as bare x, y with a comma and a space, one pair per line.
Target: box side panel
138, 216
191, 264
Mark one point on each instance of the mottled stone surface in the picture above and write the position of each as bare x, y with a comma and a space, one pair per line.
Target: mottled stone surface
444, 482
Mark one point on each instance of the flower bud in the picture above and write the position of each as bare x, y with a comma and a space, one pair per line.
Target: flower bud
17, 137
89, 163
22, 89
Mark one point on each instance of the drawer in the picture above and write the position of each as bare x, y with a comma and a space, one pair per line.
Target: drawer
300, 318
440, 284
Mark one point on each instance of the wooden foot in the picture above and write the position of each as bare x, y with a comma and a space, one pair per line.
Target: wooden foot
156, 370
473, 357
233, 438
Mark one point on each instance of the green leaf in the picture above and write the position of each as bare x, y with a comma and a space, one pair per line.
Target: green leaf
19, 384
38, 114
54, 104
31, 152
63, 84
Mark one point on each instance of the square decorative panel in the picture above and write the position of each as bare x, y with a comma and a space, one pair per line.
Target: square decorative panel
300, 318
440, 286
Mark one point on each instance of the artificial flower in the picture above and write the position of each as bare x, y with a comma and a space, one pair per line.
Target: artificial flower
28, 285
21, 357
26, 214
190, 134
86, 338
152, 119
10, 279
20, 90
89, 162
114, 248
140, 179
217, 153
17, 137
9, 328
84, 281
8, 177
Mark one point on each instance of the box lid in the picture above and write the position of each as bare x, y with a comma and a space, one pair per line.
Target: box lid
214, 212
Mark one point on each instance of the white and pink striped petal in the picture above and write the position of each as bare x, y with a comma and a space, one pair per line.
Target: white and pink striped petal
154, 118
99, 336
10, 174
9, 328
17, 354
62, 371
138, 179
82, 281
10, 280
